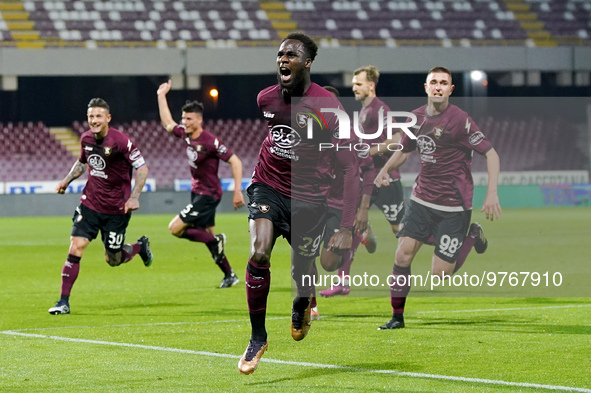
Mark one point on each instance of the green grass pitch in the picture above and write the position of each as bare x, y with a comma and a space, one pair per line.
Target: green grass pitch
168, 328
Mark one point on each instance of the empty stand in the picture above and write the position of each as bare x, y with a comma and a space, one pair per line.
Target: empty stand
29, 152
60, 23
166, 154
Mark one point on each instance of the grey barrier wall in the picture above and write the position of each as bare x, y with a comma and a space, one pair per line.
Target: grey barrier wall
216, 61
167, 202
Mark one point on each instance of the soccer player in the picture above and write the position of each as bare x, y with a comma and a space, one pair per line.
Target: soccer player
287, 194
389, 199
439, 211
107, 199
329, 259
196, 222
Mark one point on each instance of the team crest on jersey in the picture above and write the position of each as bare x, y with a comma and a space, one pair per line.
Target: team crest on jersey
264, 208
302, 119
107, 150
198, 147
437, 132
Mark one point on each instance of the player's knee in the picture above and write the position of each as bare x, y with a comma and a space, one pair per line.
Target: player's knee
260, 258
175, 231
403, 257
330, 261
114, 258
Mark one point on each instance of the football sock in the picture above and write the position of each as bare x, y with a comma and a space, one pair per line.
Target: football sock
258, 281
130, 251
301, 303
225, 266
399, 288
69, 274
198, 235
464, 251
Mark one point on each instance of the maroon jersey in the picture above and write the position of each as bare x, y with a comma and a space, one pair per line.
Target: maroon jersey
204, 154
369, 118
294, 164
445, 143
110, 161
335, 194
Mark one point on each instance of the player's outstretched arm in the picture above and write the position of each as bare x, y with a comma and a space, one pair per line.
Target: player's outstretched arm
395, 162
77, 170
492, 206
141, 175
236, 164
165, 115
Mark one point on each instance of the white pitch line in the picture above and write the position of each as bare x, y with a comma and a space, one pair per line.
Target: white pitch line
307, 364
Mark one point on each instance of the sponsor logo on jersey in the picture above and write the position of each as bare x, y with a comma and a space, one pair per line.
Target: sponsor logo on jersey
97, 173
437, 132
476, 138
268, 115
426, 145
135, 154
285, 137
264, 208
192, 154
97, 162
88, 148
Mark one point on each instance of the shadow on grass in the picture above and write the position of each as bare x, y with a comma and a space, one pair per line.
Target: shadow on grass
513, 324
315, 375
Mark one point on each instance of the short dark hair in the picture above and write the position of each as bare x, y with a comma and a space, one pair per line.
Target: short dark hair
99, 103
193, 107
371, 73
333, 90
309, 44
440, 69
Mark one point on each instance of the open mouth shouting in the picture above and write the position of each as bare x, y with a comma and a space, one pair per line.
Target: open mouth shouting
285, 75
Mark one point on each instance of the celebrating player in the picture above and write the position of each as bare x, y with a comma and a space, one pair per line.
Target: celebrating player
107, 199
441, 201
287, 196
196, 222
328, 258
